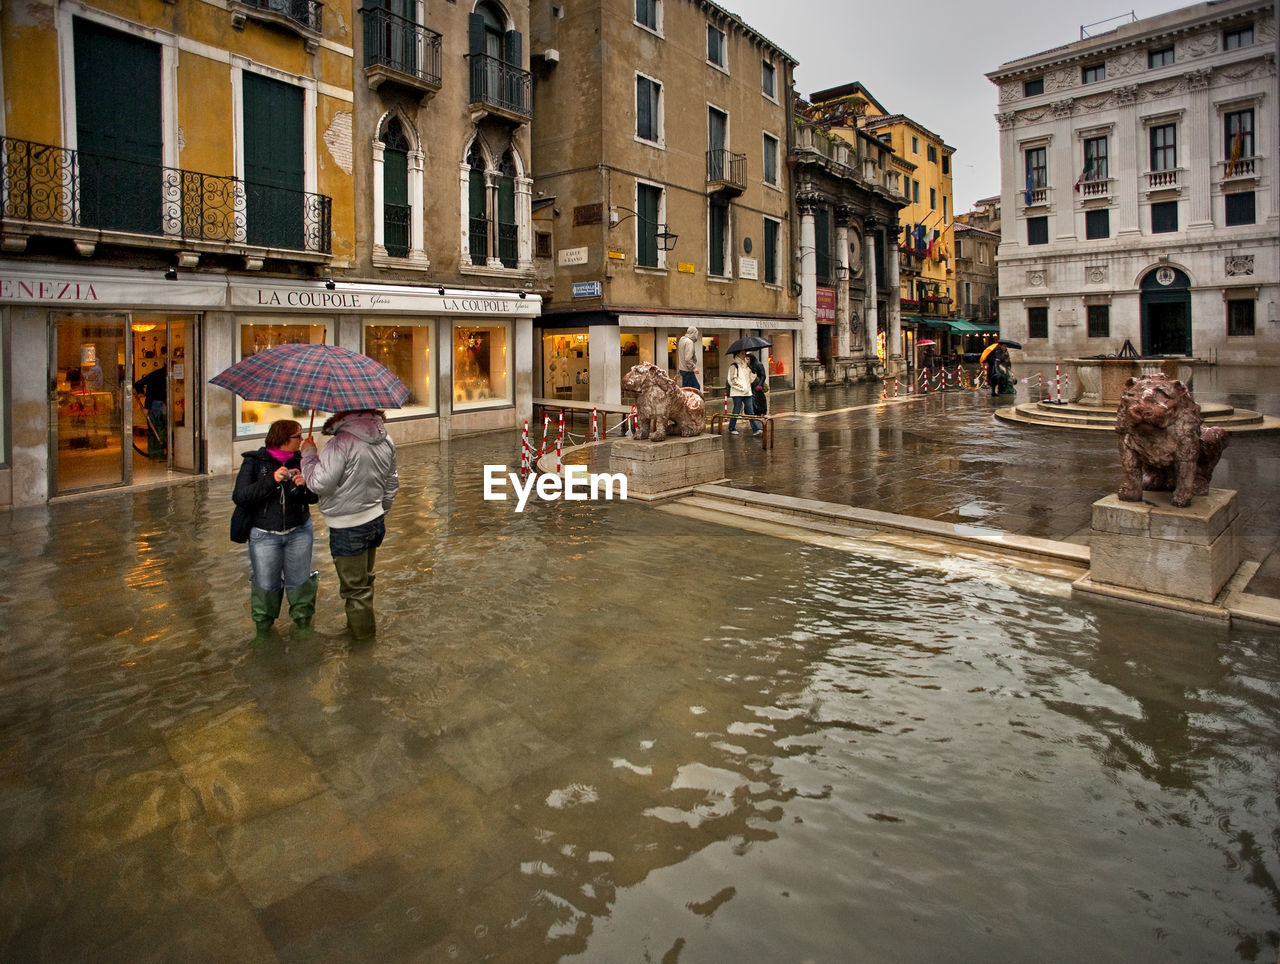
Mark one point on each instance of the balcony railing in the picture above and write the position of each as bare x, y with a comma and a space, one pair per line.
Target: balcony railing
1241, 167
395, 229
400, 45
1096, 187
501, 86
726, 172
478, 241
508, 235
50, 185
1163, 180
305, 13
1035, 196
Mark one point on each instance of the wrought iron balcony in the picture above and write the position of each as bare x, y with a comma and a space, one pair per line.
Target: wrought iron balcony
500, 89
70, 191
726, 172
400, 51
395, 229
301, 16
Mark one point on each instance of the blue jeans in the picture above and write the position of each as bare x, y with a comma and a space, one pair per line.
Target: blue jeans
689, 380
743, 403
281, 560
358, 539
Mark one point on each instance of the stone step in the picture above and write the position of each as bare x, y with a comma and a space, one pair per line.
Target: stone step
1084, 417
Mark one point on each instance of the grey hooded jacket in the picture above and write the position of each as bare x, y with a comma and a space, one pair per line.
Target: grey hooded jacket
355, 474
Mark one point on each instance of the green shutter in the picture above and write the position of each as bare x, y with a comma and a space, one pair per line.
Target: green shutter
647, 226
118, 129
273, 162
512, 52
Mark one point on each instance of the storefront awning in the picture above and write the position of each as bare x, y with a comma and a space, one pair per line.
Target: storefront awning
961, 326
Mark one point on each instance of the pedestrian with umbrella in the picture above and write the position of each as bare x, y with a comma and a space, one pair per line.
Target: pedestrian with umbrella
355, 475
740, 392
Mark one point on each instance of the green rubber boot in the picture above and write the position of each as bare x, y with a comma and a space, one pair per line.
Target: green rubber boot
355, 585
264, 607
302, 601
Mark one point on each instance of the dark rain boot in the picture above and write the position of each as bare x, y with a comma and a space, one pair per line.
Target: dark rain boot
302, 601
355, 585
264, 607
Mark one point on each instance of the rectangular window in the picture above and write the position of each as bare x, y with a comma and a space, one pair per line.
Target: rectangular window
770, 160
542, 244
933, 199
1093, 73
915, 191
1160, 58
915, 145
959, 249
944, 209
648, 213
1099, 321
1164, 217
255, 337
1240, 319
1038, 230
406, 349
1097, 224
717, 239
482, 377
647, 14
1038, 321
1164, 147
1037, 168
716, 53
772, 233
1030, 88
946, 163
769, 81
1240, 37
1095, 159
1240, 209
1237, 137
648, 109
932, 153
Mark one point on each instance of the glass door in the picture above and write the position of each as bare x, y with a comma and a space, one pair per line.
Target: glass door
89, 417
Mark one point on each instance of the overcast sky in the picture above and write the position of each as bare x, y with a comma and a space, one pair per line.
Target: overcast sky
927, 59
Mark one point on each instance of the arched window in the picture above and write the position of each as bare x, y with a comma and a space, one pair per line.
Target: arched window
478, 206
396, 210
507, 231
496, 207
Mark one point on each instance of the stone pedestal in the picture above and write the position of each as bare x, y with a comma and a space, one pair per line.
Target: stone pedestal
1153, 547
660, 470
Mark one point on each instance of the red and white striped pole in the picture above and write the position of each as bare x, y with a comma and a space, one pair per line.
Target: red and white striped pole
1057, 380
546, 430
633, 424
595, 427
895, 386
524, 450
560, 444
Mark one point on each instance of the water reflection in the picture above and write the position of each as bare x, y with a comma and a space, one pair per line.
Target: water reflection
556, 749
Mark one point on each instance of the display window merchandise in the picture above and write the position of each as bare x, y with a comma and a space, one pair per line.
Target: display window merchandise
636, 347
405, 350
253, 418
481, 376
566, 365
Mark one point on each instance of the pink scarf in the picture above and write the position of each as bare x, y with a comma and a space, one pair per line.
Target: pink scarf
281, 456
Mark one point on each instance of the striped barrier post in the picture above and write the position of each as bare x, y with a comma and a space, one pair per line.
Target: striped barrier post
560, 444
884, 387
1057, 380
595, 429
895, 386
546, 430
524, 450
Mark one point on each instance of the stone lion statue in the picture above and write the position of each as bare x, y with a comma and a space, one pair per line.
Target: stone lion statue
660, 403
1163, 443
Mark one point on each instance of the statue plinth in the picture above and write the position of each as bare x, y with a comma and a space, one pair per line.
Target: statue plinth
1153, 547
674, 466
1102, 380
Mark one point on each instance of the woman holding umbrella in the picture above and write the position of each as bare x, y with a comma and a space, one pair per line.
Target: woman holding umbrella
270, 487
740, 392
356, 479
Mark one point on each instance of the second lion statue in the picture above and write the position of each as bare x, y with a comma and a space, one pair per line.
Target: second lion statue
661, 404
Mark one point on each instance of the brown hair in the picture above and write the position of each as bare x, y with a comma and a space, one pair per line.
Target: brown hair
279, 433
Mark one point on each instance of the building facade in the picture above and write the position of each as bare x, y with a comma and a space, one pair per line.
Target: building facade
181, 191
661, 191
1138, 171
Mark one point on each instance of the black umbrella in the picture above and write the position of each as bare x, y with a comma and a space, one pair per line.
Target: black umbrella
749, 343
1008, 343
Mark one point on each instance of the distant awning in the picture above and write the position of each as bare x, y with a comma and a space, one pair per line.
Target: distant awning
962, 326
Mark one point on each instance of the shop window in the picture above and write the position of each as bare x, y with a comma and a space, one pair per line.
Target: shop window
636, 346
481, 376
566, 364
405, 350
1038, 230
1099, 321
253, 418
1240, 208
1164, 217
1240, 318
1038, 321
1097, 224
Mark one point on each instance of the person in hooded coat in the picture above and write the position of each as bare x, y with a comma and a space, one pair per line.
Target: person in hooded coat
270, 483
356, 479
687, 358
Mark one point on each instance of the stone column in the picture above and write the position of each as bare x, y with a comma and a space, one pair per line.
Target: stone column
843, 217
417, 240
1200, 166
895, 294
872, 312
1132, 148
379, 211
809, 361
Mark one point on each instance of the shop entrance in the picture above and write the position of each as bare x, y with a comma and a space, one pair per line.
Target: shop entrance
124, 410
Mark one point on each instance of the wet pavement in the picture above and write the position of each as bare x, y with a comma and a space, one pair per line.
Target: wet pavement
604, 732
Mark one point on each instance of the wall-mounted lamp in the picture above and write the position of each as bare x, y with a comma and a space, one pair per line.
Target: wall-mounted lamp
666, 239
522, 296
330, 284
842, 272
440, 290
171, 274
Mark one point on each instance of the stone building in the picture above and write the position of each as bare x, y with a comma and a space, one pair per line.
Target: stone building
183, 190
661, 192
977, 284
1137, 172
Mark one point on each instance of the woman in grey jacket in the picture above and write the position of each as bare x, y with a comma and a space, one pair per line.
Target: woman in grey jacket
355, 477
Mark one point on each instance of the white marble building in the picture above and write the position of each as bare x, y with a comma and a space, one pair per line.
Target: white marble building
1138, 182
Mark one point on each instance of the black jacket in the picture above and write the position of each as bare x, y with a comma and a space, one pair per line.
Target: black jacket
276, 505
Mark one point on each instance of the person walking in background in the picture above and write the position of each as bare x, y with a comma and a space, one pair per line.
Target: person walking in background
759, 384
740, 392
687, 358
270, 484
356, 479
154, 389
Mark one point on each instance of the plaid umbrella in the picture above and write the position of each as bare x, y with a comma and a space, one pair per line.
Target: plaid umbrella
325, 378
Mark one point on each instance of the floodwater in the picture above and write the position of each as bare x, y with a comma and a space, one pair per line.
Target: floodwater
601, 732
